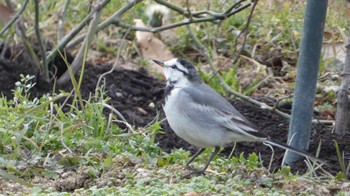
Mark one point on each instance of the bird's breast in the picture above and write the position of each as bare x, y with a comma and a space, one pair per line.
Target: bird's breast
180, 123
171, 94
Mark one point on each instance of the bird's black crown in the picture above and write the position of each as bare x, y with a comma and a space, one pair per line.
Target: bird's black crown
192, 72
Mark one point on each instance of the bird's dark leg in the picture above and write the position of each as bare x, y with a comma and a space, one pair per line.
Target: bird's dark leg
194, 157
201, 172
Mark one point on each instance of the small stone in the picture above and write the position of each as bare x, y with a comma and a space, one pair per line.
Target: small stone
151, 105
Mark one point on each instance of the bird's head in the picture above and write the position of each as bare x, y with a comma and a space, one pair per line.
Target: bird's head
179, 72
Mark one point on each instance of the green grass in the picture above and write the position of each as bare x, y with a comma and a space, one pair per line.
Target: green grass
37, 143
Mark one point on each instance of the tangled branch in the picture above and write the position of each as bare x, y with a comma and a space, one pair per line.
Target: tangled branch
197, 17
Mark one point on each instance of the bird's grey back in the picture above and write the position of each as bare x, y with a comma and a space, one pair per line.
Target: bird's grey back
203, 94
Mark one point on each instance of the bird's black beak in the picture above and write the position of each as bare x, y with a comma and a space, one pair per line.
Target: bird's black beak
158, 62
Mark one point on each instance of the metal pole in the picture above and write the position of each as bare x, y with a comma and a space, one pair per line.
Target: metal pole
306, 78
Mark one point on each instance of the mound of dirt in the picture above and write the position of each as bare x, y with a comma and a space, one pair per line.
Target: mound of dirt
139, 97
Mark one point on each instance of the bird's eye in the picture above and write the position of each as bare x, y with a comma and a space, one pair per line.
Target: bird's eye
173, 66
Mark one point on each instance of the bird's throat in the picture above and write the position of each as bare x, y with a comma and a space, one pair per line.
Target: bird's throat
169, 87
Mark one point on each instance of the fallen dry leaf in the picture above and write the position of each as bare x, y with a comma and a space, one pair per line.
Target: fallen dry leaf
334, 50
152, 48
5, 14
192, 193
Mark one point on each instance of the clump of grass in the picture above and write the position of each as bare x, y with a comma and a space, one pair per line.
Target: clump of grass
344, 173
38, 134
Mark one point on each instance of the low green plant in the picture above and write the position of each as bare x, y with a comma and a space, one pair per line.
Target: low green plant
343, 174
84, 137
251, 162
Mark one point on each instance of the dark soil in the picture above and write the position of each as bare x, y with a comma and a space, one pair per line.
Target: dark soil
133, 94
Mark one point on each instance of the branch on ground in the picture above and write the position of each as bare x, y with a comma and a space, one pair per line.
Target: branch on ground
81, 56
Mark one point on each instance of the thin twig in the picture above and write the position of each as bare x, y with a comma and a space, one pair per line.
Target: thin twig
120, 115
114, 64
198, 14
237, 4
115, 20
43, 65
6, 46
107, 22
62, 19
172, 6
185, 22
109, 72
272, 155
117, 14
21, 31
245, 31
67, 38
14, 18
230, 90
190, 16
77, 63
281, 99
174, 25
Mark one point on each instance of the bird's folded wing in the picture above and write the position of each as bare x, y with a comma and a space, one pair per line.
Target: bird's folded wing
235, 123
211, 116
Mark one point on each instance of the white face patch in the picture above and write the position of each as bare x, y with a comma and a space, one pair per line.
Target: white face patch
174, 71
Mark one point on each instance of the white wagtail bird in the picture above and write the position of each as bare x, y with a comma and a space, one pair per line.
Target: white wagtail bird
202, 117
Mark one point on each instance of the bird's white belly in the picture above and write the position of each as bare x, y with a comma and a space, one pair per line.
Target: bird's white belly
192, 132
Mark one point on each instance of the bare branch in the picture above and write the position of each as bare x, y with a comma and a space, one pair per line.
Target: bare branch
230, 90
185, 22
61, 21
342, 125
43, 65
198, 14
75, 31
171, 6
116, 15
77, 63
244, 33
190, 16
237, 4
22, 33
107, 22
212, 18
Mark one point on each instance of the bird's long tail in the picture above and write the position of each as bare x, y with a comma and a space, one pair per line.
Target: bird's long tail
297, 151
